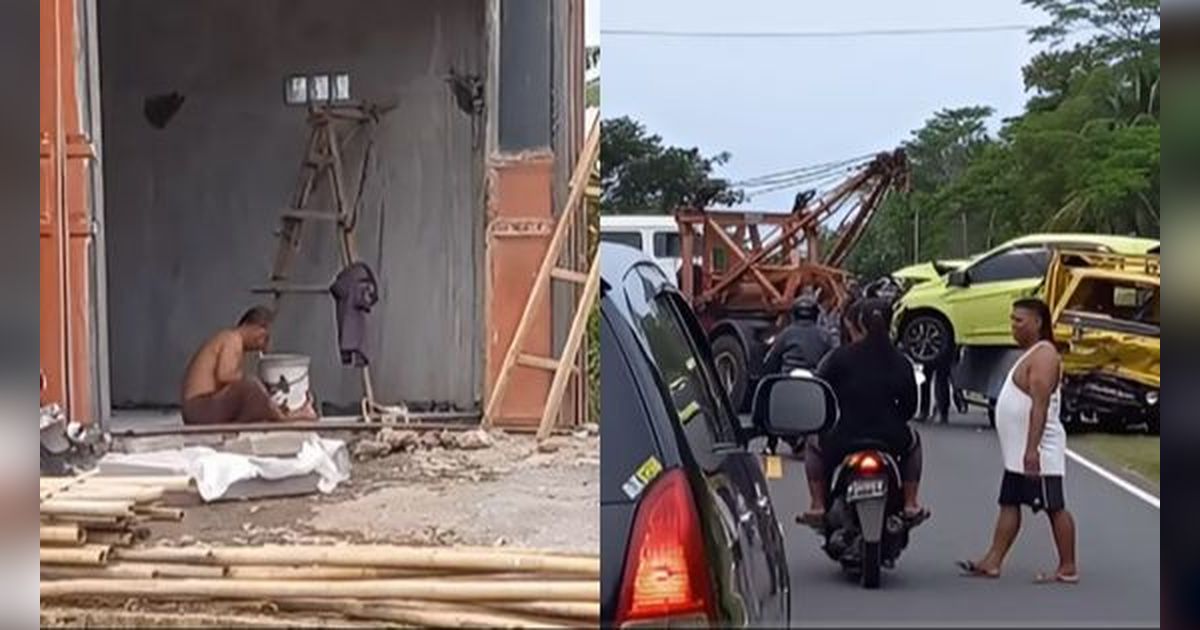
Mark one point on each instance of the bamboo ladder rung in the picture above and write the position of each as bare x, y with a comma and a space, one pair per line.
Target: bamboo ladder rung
534, 361
569, 275
548, 269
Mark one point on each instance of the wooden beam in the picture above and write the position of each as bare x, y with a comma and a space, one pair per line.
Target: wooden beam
574, 339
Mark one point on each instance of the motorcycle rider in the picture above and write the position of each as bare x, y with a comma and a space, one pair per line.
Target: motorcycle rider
877, 394
802, 345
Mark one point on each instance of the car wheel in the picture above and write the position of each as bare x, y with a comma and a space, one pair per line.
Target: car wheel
927, 338
1072, 423
730, 360
991, 413
1152, 423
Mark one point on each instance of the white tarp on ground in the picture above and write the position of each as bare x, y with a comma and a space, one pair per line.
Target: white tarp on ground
214, 471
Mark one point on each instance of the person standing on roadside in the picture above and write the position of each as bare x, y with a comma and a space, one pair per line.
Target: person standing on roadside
1033, 444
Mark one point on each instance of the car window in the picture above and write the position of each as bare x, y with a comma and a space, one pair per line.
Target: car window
669, 244
1126, 301
688, 392
666, 245
627, 440
632, 239
1012, 264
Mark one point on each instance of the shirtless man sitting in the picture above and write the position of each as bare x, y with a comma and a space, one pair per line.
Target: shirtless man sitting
215, 391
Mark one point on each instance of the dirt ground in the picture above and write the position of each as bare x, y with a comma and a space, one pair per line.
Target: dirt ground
508, 493
431, 492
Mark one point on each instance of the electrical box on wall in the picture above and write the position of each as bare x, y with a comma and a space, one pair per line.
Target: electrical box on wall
299, 89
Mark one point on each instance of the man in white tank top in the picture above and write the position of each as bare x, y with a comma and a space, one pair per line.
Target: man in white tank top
1033, 445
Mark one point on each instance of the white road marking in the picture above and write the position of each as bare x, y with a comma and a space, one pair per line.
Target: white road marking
1119, 482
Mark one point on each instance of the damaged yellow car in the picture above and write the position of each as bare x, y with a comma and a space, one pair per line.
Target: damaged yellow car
1106, 319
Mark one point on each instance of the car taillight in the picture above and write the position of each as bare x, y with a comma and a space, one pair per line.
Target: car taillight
666, 579
868, 464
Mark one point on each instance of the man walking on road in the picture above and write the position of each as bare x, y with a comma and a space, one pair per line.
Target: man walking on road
1033, 444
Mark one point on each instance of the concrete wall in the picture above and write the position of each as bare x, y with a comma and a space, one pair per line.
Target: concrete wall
191, 208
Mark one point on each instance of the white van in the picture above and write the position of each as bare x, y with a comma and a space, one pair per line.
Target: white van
655, 235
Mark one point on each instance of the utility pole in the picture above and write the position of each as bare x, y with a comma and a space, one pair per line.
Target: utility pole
916, 235
965, 242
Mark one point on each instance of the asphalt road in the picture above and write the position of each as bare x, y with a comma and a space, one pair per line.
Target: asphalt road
1118, 549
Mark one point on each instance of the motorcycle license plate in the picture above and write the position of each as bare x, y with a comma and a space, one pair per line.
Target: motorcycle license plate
865, 489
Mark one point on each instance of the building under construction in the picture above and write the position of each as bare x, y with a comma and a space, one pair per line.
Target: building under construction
171, 136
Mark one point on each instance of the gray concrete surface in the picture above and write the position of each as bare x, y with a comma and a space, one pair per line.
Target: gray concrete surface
192, 207
1118, 551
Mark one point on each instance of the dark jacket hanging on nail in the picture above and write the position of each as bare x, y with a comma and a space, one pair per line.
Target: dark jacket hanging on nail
354, 293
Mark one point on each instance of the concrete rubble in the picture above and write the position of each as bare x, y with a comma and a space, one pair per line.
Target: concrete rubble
390, 440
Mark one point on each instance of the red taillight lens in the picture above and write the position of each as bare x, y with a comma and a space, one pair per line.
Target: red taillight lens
869, 464
666, 576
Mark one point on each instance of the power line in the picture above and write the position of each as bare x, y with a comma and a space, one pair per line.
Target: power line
947, 30
802, 173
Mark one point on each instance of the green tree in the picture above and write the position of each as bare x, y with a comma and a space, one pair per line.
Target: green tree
638, 174
1083, 157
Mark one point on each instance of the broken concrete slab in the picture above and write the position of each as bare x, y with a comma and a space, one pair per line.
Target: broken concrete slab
473, 440
370, 449
150, 444
272, 488
399, 439
261, 444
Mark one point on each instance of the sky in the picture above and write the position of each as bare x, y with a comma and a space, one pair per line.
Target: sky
782, 103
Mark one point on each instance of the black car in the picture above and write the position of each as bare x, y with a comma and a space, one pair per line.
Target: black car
688, 533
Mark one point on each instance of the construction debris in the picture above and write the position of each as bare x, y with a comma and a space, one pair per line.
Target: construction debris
390, 440
84, 518
461, 587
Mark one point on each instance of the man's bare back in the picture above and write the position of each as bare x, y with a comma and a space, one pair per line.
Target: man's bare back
223, 351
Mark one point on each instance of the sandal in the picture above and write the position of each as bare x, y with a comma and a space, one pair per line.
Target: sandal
1055, 578
916, 518
970, 569
812, 519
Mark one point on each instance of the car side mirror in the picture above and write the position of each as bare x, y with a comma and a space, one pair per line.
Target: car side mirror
790, 406
958, 279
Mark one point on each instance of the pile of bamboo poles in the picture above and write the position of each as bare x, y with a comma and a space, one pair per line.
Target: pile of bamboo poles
424, 586
84, 518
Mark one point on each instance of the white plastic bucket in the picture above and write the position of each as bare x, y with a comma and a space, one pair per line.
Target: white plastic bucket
286, 377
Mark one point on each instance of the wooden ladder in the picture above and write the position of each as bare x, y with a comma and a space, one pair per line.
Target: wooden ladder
323, 157
549, 270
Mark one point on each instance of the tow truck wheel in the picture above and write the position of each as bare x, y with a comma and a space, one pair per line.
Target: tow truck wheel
1152, 424
730, 361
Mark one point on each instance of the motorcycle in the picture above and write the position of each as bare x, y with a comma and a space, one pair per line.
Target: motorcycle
864, 527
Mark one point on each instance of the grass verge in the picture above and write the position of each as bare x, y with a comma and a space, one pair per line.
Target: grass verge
1137, 454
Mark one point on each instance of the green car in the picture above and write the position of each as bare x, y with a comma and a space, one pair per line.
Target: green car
969, 306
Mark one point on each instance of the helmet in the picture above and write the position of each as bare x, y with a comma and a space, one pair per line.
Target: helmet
805, 308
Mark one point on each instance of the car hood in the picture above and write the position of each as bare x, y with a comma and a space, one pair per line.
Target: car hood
923, 272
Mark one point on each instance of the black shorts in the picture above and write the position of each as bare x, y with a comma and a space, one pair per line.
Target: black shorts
1040, 493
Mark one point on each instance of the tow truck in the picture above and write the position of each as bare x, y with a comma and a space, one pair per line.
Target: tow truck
747, 268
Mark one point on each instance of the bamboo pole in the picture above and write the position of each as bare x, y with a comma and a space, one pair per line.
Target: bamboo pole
105, 537
68, 507
158, 513
271, 572
370, 556
432, 589
574, 610
66, 534
112, 570
172, 483
97, 522
89, 492
85, 555
420, 616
